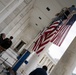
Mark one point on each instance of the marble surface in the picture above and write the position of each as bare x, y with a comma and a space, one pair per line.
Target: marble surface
2, 70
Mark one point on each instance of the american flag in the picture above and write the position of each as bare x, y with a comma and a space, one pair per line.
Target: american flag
45, 37
54, 33
63, 31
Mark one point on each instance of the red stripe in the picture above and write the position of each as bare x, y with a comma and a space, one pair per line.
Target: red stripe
40, 50
65, 36
45, 37
60, 36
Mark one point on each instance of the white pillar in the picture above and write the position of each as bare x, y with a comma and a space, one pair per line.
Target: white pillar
34, 59
9, 9
67, 62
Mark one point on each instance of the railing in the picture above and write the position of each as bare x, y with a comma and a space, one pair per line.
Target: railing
6, 6
9, 54
4, 13
4, 62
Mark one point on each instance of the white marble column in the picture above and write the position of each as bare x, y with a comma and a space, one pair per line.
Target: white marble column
67, 62
4, 13
33, 60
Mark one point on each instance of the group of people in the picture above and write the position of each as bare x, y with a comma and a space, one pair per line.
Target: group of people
63, 14
37, 71
5, 42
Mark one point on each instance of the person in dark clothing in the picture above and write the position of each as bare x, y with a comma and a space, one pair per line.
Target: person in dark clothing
72, 8
68, 11
7, 42
2, 37
39, 71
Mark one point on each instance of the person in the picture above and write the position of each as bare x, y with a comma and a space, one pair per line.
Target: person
7, 42
58, 16
72, 8
69, 11
2, 37
9, 71
39, 71
64, 13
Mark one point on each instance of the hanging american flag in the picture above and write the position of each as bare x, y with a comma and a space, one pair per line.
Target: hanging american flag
54, 33
63, 31
45, 37
61, 34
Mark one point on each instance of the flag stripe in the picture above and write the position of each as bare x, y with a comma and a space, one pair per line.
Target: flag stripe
45, 37
40, 50
64, 35
61, 34
54, 33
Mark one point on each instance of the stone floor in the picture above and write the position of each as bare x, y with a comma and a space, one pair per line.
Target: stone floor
2, 68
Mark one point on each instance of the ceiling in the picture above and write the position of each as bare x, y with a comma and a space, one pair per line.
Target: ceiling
24, 19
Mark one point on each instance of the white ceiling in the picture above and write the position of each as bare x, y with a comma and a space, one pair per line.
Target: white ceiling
29, 18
